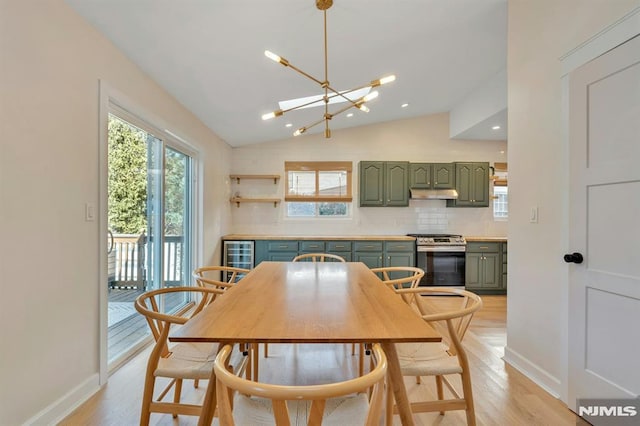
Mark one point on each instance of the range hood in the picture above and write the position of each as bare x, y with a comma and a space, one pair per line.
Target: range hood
433, 194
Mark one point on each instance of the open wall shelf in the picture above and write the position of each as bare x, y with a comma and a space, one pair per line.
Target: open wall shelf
239, 177
239, 200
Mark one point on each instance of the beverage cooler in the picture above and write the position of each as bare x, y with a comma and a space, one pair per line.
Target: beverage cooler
237, 254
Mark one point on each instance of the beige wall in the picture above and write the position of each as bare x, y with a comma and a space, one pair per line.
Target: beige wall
539, 33
50, 66
422, 139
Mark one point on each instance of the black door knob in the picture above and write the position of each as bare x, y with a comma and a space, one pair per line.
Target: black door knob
573, 258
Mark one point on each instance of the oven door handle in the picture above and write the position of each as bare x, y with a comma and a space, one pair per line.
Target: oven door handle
441, 249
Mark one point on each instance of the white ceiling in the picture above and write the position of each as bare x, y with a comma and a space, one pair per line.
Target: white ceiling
209, 54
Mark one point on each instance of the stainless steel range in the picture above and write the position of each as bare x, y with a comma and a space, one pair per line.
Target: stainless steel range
442, 257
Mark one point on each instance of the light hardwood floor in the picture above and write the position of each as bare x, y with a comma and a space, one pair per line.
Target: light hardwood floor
502, 395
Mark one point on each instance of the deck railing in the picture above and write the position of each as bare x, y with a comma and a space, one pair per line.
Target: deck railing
127, 265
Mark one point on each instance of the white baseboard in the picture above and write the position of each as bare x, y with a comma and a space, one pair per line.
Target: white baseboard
61, 408
539, 376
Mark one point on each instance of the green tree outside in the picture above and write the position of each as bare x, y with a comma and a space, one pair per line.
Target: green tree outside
127, 184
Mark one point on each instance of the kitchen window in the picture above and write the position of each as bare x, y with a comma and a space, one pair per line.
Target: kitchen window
318, 188
500, 203
500, 192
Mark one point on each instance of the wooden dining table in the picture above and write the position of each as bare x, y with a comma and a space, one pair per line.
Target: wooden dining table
308, 302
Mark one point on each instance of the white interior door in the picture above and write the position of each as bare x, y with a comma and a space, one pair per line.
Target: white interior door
604, 293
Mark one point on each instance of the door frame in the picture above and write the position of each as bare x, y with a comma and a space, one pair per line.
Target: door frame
109, 97
609, 38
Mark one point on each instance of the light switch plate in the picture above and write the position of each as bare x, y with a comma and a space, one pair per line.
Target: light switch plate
89, 212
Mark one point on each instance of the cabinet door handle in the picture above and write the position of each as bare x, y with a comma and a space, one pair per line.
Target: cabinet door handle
484, 247
339, 246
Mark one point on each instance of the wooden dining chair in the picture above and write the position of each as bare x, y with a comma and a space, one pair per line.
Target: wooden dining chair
218, 276
341, 403
223, 277
449, 311
180, 361
395, 277
318, 257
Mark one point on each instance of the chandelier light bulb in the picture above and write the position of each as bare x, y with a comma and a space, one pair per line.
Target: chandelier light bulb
272, 56
387, 79
364, 108
273, 114
370, 96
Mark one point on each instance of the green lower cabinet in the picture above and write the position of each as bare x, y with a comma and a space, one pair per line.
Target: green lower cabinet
399, 259
340, 248
369, 252
399, 253
281, 256
275, 251
312, 246
260, 252
372, 260
484, 268
504, 266
373, 253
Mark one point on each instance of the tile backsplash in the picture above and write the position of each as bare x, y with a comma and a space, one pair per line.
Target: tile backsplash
420, 217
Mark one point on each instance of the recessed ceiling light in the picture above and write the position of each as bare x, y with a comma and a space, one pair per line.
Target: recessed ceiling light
350, 114
495, 127
404, 105
288, 125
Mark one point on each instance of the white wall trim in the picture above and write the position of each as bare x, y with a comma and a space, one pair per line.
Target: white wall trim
539, 376
614, 35
103, 222
61, 408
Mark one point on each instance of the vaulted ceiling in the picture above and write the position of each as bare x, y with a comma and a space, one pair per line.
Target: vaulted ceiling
209, 54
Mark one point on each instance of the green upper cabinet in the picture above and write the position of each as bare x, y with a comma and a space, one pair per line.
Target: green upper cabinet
420, 175
444, 176
472, 184
396, 183
372, 183
431, 175
384, 183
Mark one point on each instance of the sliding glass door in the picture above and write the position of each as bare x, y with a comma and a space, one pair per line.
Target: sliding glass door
150, 225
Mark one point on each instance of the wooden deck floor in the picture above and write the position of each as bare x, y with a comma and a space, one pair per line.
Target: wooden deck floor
131, 329
502, 395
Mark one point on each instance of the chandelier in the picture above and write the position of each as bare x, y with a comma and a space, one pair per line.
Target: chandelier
329, 91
